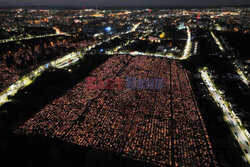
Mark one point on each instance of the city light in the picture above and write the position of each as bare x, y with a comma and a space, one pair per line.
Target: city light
108, 29
156, 87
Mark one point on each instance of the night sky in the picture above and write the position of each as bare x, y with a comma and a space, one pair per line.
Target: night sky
124, 2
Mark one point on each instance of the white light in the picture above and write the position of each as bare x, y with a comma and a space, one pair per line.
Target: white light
108, 29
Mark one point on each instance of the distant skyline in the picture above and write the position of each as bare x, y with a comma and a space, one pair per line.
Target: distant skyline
105, 3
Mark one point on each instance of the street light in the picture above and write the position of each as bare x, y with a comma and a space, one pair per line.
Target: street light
108, 29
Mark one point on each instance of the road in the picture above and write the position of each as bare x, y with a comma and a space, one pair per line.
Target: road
188, 47
243, 78
31, 77
136, 53
217, 41
23, 82
240, 134
59, 63
135, 26
186, 52
28, 38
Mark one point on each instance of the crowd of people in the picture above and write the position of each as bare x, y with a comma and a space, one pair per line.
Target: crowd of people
17, 62
161, 127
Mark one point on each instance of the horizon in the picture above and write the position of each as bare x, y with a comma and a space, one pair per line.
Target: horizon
125, 7
123, 3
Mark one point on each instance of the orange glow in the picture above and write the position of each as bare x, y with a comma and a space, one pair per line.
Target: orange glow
97, 15
162, 35
236, 29
119, 14
57, 30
